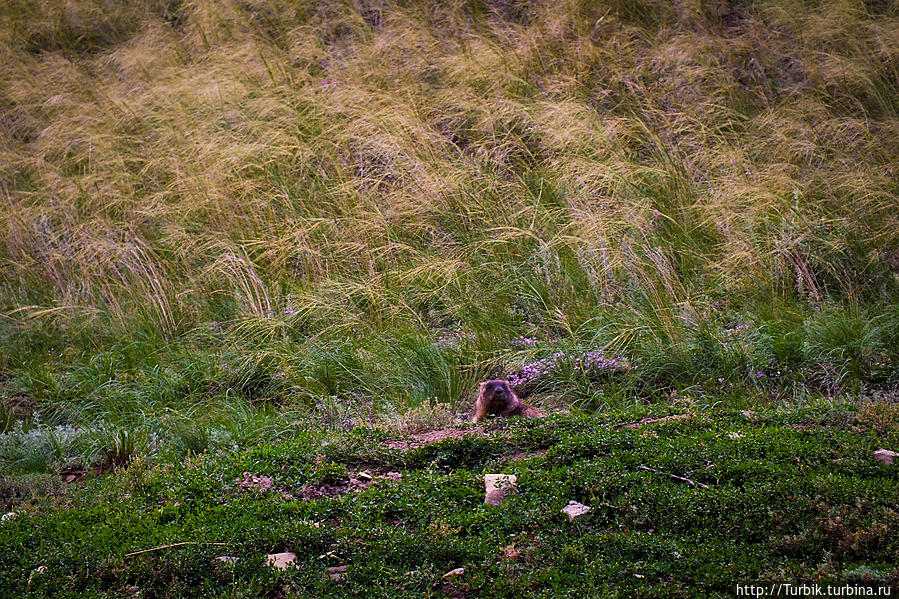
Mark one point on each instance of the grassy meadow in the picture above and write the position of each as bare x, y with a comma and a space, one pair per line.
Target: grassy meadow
228, 225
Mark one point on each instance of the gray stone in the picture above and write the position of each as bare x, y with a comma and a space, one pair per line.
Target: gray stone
885, 456
575, 510
499, 486
280, 560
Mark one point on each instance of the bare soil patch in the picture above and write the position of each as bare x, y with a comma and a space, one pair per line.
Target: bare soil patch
525, 455
426, 438
357, 482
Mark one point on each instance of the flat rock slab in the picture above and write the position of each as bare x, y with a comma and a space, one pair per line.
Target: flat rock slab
885, 456
575, 510
499, 486
455, 572
336, 572
280, 560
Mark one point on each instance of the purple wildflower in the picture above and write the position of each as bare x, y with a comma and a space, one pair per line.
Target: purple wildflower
737, 329
522, 341
453, 339
588, 363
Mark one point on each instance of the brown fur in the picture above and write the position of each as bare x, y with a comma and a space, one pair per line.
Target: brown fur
496, 397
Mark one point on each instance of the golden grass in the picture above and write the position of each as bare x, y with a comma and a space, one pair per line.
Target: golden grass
281, 153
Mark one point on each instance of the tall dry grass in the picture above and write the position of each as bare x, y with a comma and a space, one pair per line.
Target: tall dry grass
258, 173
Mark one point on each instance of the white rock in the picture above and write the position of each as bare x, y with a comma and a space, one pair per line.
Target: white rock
456, 572
37, 571
280, 560
575, 510
499, 486
8, 516
885, 456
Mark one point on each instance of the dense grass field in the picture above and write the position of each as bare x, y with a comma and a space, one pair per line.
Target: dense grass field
227, 225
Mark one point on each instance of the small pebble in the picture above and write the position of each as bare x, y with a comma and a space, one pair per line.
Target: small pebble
498, 486
885, 456
280, 560
575, 510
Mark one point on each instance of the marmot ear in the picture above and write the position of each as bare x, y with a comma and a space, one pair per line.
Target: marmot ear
482, 384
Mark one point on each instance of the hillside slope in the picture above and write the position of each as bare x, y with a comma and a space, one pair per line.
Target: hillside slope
216, 213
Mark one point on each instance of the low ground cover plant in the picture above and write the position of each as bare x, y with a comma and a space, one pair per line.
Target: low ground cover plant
782, 494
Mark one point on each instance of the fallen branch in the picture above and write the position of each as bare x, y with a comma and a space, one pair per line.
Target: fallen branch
674, 477
172, 545
650, 420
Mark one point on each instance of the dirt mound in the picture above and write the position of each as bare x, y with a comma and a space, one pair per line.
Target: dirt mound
426, 438
356, 483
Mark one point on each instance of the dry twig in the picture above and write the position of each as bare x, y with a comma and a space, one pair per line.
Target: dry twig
172, 545
674, 476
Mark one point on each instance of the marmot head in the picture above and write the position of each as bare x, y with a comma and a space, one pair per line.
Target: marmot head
497, 393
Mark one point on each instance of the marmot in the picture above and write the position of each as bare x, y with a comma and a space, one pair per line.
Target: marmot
497, 397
